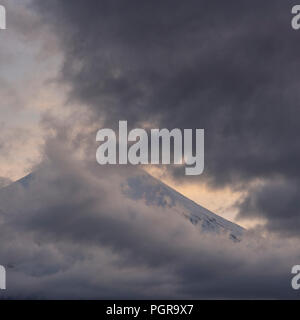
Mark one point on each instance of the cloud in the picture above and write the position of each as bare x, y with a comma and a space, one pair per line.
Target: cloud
29, 59
275, 201
193, 66
231, 68
70, 231
4, 182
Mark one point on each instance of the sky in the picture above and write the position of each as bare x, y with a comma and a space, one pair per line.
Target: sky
33, 58
69, 68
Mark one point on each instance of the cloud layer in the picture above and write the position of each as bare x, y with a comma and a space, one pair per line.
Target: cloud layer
69, 231
231, 68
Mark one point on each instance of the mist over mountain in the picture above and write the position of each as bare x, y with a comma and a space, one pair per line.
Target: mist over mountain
74, 229
71, 230
156, 193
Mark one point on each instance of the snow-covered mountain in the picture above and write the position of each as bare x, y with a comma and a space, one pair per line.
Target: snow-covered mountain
143, 187
155, 192
81, 231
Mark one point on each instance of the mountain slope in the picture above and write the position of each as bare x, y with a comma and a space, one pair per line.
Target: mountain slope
155, 192
143, 187
82, 232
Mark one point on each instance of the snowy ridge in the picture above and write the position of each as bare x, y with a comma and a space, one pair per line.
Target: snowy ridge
156, 192
142, 186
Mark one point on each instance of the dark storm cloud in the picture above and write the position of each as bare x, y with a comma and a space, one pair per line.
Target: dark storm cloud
229, 67
69, 231
276, 201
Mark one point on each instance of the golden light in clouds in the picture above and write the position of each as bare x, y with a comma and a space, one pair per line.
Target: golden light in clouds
219, 201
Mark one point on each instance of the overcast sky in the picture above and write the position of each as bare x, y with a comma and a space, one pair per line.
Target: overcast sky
230, 67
